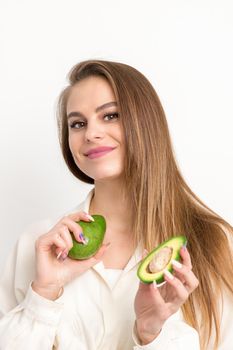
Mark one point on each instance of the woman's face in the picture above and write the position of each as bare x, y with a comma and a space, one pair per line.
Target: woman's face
93, 122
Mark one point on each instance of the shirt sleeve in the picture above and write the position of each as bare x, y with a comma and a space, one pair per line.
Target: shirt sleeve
175, 335
32, 324
27, 320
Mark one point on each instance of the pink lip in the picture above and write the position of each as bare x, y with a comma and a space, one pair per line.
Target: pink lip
99, 149
98, 154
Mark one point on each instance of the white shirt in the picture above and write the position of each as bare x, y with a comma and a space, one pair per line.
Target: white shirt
95, 312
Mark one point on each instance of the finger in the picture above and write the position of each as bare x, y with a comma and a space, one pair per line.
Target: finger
180, 290
80, 215
59, 252
151, 290
73, 227
186, 259
186, 276
148, 287
73, 219
65, 234
47, 241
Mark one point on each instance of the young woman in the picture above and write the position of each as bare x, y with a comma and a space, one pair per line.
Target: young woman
114, 135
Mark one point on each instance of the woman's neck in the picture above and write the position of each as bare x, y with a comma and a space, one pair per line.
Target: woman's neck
110, 201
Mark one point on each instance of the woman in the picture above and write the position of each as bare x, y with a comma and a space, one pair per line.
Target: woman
114, 134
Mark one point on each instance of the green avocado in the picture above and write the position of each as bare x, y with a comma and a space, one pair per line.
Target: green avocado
159, 259
94, 232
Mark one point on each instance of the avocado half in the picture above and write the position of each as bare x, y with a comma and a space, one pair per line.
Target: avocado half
94, 232
159, 259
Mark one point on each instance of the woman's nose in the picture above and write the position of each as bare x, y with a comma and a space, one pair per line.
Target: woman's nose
93, 132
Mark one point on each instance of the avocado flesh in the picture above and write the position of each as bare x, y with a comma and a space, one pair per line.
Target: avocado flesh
94, 231
159, 259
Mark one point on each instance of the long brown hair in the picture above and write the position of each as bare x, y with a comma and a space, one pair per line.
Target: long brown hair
163, 203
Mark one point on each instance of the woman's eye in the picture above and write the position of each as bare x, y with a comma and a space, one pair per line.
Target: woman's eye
77, 125
111, 116
80, 125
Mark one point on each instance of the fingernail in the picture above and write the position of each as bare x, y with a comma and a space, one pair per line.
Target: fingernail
64, 256
168, 274
154, 284
89, 217
58, 256
83, 238
86, 240
184, 246
177, 264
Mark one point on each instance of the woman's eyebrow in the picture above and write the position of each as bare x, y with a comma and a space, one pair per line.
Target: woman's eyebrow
105, 105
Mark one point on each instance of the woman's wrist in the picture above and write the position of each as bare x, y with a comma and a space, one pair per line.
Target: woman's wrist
48, 292
144, 336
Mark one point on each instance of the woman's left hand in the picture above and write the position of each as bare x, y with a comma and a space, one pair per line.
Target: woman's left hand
153, 306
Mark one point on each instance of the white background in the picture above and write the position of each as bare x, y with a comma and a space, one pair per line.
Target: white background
183, 47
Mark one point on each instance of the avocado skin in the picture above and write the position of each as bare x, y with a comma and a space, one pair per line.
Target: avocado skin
180, 241
94, 231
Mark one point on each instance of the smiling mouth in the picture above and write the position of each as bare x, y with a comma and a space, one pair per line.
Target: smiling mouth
99, 154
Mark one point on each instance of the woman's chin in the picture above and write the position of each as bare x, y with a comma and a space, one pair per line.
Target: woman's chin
106, 177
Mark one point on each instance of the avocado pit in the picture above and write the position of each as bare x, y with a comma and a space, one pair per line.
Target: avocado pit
152, 267
160, 260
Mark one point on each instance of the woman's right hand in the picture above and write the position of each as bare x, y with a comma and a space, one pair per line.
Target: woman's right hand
53, 273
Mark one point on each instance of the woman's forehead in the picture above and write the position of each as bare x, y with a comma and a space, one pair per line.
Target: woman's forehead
91, 92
